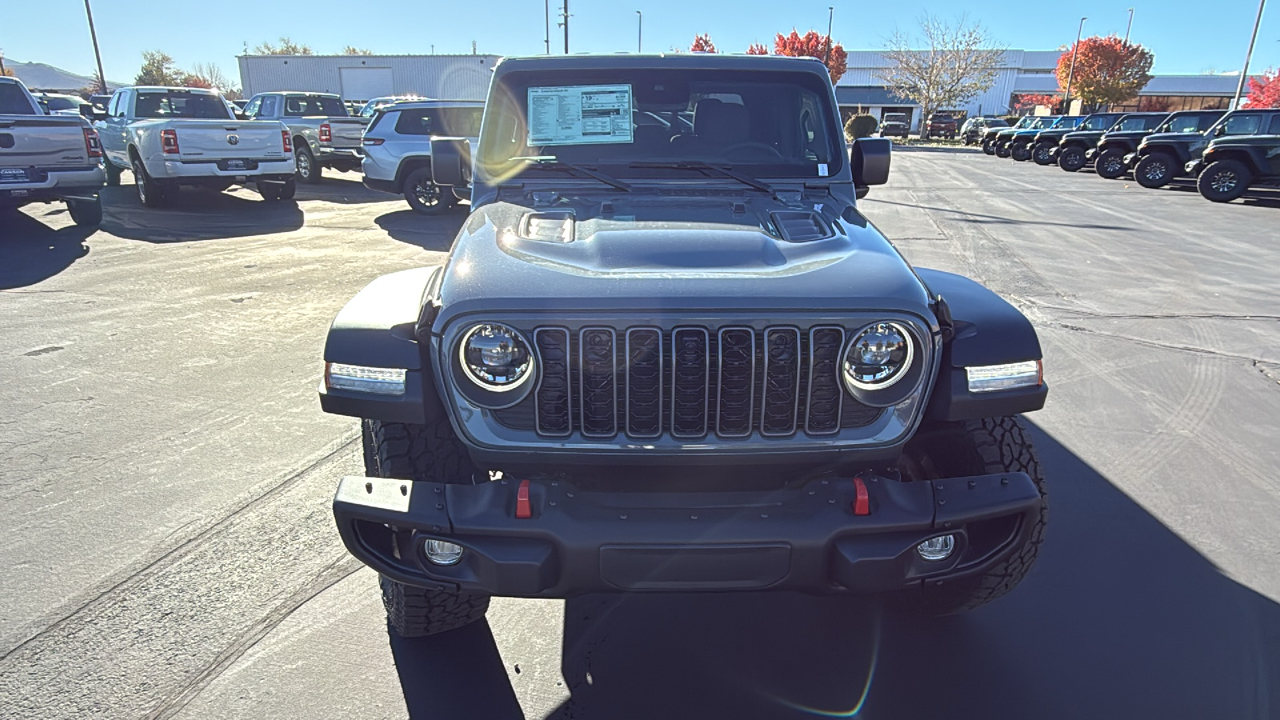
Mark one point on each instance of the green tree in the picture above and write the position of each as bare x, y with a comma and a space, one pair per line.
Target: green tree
158, 69
286, 47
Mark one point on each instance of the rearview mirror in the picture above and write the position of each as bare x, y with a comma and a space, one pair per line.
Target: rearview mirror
869, 160
448, 157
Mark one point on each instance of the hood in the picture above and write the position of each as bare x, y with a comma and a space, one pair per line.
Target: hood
1186, 138
1127, 135
704, 249
1089, 135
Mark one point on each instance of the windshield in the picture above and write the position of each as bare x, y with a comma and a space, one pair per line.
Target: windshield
895, 117
763, 123
176, 103
997, 123
1026, 122
61, 103
13, 101
455, 121
1068, 122
303, 105
1099, 122
1138, 122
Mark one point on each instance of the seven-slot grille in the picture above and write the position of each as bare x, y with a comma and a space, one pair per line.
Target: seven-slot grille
692, 382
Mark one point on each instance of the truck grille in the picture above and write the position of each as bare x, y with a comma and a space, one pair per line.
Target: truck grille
689, 383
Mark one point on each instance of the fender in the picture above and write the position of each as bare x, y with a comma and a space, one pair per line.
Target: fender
377, 329
1253, 156
986, 330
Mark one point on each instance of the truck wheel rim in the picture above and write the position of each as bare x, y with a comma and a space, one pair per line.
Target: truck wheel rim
1223, 182
1156, 171
426, 193
1113, 165
1042, 153
304, 165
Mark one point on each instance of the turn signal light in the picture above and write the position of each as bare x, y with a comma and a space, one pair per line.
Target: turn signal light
326, 133
92, 144
169, 142
288, 141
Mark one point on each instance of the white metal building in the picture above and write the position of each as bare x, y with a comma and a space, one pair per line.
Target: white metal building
363, 77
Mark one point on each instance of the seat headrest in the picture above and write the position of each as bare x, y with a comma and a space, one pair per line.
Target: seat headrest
720, 123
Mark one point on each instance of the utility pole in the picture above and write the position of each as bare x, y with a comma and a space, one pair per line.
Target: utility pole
1071, 74
102, 77
1126, 30
831, 14
639, 31
546, 6
565, 25
1244, 73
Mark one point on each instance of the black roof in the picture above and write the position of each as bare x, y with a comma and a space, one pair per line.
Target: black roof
664, 61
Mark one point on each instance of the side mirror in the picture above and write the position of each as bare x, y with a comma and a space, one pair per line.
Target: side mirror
448, 158
869, 160
1220, 131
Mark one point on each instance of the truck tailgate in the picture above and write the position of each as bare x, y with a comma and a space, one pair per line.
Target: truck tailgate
347, 132
224, 139
41, 141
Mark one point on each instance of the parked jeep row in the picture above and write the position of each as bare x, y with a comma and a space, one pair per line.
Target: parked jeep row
1227, 153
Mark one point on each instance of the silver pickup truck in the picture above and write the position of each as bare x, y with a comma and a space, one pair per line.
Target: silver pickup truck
47, 157
324, 135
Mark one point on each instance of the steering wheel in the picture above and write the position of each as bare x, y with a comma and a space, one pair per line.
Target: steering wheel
752, 145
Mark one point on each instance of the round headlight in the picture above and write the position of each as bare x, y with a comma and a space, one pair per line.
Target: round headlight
496, 357
878, 356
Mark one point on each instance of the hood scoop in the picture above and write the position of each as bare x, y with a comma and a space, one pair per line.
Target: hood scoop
557, 226
801, 226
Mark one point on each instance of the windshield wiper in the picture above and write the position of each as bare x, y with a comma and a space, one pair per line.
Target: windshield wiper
699, 165
550, 162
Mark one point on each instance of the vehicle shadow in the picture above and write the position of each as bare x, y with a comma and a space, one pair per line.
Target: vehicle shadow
429, 232
32, 251
981, 219
1119, 619
196, 214
342, 188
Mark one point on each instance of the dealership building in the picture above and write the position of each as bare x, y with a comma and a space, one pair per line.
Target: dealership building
1023, 72
364, 77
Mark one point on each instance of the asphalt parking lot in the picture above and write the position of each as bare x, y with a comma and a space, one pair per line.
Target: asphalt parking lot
168, 550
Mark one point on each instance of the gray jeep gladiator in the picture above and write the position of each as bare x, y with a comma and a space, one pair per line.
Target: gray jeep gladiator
667, 352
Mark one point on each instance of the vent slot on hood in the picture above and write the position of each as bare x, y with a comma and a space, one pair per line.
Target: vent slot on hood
801, 226
557, 226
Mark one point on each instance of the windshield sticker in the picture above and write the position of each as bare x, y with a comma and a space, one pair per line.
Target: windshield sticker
822, 169
579, 115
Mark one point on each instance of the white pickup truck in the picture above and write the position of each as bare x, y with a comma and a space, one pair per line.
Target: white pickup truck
172, 136
47, 157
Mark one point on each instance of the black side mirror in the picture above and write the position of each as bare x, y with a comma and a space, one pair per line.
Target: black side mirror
1220, 131
869, 160
448, 158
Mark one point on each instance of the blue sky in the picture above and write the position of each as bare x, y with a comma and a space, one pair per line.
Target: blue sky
1186, 37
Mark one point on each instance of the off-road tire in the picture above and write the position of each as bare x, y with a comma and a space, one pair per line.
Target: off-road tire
1110, 164
980, 447
113, 173
1154, 170
988, 147
1020, 152
1002, 150
1040, 153
308, 170
423, 195
85, 213
1224, 180
421, 452
1071, 158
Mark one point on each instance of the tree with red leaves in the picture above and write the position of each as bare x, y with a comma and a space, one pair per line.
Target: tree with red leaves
1264, 92
1027, 102
1108, 70
811, 44
703, 44
757, 49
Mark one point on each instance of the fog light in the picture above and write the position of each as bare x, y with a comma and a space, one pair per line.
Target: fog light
938, 548
440, 552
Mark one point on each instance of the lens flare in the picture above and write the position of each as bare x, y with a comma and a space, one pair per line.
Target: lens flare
866, 688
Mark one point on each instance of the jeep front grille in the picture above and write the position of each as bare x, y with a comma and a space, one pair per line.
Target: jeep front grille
690, 382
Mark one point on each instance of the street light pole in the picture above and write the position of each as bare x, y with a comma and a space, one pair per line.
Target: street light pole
565, 23
1244, 72
102, 77
639, 31
1126, 30
546, 6
831, 14
1071, 74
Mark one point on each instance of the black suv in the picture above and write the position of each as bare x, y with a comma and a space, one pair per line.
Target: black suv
1050, 143
675, 356
1234, 163
1121, 140
1078, 149
1174, 149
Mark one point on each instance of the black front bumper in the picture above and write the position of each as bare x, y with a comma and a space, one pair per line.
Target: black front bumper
806, 539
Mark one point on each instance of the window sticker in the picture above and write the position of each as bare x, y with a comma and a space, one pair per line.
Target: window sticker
579, 115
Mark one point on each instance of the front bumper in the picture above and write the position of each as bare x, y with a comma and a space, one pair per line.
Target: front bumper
806, 538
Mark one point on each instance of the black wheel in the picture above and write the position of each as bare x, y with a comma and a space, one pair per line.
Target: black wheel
85, 213
1224, 180
1041, 154
1154, 170
308, 170
272, 191
150, 192
288, 189
988, 146
1110, 164
113, 173
421, 452
979, 447
1020, 152
1002, 149
1071, 158
423, 195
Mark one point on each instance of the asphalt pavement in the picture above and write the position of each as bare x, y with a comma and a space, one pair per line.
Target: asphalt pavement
167, 549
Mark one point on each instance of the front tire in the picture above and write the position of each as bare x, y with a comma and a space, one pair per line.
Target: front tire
1041, 154
1224, 181
981, 447
1110, 164
988, 147
85, 213
1002, 149
423, 195
1020, 152
1071, 158
430, 452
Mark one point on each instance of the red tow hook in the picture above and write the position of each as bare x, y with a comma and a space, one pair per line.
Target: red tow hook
861, 505
523, 510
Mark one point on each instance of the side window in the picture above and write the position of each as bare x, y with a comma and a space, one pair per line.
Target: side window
111, 105
1242, 125
251, 110
122, 104
1275, 124
270, 106
415, 122
1208, 121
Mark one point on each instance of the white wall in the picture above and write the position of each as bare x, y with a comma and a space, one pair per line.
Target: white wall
446, 77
